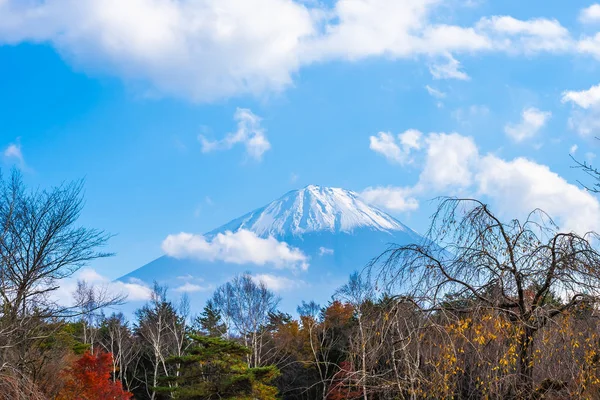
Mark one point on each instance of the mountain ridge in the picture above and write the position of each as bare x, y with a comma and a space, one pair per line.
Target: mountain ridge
313, 208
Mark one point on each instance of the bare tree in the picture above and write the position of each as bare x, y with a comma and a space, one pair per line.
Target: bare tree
245, 306
117, 339
158, 329
357, 292
590, 171
40, 244
513, 268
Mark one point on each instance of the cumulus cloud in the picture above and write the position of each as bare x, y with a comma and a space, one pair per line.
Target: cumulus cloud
532, 120
213, 49
584, 98
526, 36
249, 132
391, 198
201, 50
134, 289
590, 14
277, 283
453, 165
449, 161
396, 149
521, 185
585, 118
241, 247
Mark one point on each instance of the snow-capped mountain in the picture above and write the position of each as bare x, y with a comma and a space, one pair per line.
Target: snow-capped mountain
332, 230
314, 209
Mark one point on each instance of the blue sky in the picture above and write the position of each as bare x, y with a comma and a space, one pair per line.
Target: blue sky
120, 93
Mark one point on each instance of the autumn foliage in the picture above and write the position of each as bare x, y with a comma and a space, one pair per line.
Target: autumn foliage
89, 379
343, 386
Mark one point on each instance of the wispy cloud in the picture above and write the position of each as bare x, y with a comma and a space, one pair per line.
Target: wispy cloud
249, 133
13, 154
396, 149
532, 121
450, 69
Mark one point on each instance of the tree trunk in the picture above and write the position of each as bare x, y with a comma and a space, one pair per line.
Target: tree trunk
363, 347
525, 363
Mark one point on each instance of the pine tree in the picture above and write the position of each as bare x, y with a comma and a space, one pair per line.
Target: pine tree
216, 368
210, 321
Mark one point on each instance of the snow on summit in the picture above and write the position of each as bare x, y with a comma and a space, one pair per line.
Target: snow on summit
313, 209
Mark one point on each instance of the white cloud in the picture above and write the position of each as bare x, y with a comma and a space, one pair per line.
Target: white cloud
438, 94
573, 149
532, 120
590, 45
449, 161
583, 98
277, 283
586, 119
590, 14
14, 154
391, 198
201, 50
134, 289
213, 49
531, 36
396, 150
454, 166
448, 70
324, 251
364, 28
520, 185
241, 247
189, 287
249, 132
443, 39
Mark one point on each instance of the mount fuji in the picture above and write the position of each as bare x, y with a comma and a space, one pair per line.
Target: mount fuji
303, 246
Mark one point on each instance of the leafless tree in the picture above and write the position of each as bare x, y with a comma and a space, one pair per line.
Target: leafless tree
40, 245
158, 328
357, 292
117, 339
513, 268
245, 306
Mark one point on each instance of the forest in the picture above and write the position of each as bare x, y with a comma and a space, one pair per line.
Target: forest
483, 309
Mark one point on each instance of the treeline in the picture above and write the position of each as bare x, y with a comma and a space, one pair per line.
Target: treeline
482, 309
358, 346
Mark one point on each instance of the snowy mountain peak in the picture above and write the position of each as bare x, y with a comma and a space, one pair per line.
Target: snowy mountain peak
314, 209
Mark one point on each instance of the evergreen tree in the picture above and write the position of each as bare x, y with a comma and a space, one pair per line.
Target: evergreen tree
216, 368
210, 321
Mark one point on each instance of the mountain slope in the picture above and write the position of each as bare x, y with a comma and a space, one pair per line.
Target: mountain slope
313, 209
333, 227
